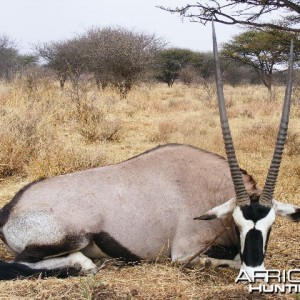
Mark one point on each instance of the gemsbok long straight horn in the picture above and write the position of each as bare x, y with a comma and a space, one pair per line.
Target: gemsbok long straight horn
253, 214
242, 197
268, 190
143, 208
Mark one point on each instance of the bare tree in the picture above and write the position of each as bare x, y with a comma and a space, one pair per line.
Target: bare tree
188, 75
115, 56
96, 51
11, 61
8, 58
119, 56
51, 53
243, 12
66, 58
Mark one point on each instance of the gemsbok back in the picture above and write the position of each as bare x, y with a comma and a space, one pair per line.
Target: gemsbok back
146, 206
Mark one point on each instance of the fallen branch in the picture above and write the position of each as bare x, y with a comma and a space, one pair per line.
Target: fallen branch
205, 248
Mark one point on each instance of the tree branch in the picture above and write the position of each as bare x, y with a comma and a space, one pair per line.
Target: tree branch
243, 12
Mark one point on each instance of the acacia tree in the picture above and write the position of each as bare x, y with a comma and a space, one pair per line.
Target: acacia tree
170, 62
261, 50
243, 12
203, 62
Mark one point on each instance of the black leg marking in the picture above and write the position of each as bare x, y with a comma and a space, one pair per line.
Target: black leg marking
295, 216
222, 252
10, 271
35, 253
113, 248
223, 266
206, 217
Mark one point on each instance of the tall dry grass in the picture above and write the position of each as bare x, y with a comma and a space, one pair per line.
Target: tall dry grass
45, 131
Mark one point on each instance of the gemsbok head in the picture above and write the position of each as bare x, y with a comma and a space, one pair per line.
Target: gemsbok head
253, 215
144, 207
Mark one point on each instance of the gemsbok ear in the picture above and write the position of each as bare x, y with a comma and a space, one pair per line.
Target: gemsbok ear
220, 211
287, 210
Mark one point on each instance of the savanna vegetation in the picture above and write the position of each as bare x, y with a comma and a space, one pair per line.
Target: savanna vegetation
46, 132
109, 94
122, 59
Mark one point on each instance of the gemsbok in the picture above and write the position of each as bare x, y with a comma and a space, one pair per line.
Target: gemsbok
146, 206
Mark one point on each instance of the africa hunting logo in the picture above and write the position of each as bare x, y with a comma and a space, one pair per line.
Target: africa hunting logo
272, 281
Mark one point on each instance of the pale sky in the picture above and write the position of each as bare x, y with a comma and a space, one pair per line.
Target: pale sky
29, 22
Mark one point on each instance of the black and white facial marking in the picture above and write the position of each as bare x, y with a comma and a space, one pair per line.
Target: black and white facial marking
253, 226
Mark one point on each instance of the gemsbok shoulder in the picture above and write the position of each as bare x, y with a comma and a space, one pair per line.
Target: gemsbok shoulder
146, 206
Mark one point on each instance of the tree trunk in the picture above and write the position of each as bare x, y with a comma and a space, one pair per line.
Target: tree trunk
267, 80
62, 83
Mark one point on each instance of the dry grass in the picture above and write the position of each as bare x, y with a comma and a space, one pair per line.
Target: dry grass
44, 132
